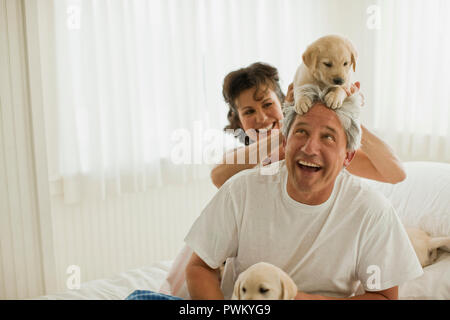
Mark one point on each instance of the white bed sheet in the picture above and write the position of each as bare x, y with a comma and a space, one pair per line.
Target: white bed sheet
433, 284
117, 287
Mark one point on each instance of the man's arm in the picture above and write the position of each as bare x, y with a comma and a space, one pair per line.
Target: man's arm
202, 281
388, 294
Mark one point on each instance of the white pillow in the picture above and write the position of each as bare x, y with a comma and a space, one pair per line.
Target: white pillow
422, 200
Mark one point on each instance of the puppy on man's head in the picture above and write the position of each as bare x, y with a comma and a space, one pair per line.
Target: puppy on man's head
327, 62
264, 281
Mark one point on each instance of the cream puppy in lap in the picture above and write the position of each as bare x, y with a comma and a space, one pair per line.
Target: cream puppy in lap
327, 62
426, 246
264, 281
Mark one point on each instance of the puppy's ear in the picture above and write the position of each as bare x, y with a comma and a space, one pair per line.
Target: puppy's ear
438, 242
353, 52
237, 290
354, 57
310, 57
288, 287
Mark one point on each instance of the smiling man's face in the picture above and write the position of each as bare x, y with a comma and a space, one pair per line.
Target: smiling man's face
316, 151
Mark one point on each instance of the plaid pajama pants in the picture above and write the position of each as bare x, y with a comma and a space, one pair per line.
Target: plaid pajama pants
150, 295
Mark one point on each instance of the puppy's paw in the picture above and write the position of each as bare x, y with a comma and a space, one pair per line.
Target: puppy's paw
333, 100
303, 105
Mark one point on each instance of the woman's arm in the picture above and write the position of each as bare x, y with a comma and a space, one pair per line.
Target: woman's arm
247, 157
376, 160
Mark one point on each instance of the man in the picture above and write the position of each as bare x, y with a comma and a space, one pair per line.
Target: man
324, 227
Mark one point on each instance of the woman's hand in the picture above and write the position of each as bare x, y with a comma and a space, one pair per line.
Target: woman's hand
354, 88
274, 145
290, 94
276, 155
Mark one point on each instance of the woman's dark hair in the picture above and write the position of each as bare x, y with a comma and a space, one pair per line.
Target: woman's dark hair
260, 76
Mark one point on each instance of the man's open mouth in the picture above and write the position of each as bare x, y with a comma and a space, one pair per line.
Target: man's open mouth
308, 166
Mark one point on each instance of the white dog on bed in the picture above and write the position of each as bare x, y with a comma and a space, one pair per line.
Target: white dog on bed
327, 62
426, 246
264, 281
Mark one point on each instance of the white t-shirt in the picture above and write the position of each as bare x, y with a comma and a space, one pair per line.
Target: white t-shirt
326, 249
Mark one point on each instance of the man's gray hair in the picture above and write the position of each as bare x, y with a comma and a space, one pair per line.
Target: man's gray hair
348, 114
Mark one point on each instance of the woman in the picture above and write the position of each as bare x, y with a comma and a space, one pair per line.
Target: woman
255, 99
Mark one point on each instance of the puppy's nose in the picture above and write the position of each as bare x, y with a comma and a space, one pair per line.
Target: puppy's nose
338, 81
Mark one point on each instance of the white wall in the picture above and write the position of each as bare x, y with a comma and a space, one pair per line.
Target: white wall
107, 237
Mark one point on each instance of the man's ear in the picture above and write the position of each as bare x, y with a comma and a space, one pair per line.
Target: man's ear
349, 155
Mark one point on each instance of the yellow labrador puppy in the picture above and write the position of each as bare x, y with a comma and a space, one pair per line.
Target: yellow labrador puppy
425, 246
327, 62
264, 281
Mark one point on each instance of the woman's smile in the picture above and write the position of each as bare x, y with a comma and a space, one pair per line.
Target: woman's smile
259, 112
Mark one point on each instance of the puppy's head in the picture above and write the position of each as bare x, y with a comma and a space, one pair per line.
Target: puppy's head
330, 60
426, 246
264, 281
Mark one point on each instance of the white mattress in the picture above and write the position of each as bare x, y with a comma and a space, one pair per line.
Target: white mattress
434, 284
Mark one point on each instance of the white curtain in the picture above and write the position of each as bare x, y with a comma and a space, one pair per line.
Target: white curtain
412, 68
136, 83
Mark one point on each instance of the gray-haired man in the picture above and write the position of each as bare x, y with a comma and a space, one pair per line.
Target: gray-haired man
324, 227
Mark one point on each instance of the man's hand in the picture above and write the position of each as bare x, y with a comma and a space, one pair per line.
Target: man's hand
388, 294
304, 296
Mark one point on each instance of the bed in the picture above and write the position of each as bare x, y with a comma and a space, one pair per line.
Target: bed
434, 284
422, 200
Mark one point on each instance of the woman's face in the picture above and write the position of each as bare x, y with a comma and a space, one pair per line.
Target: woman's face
264, 113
